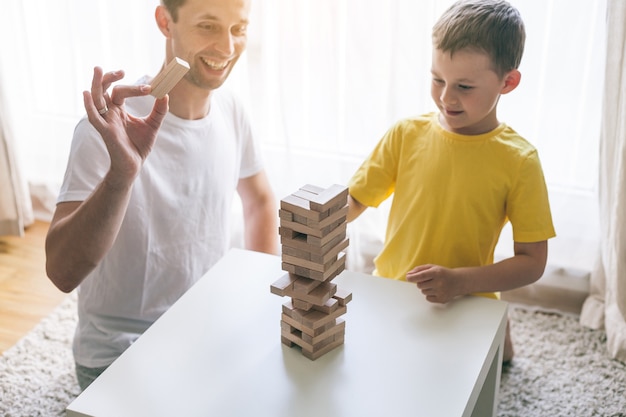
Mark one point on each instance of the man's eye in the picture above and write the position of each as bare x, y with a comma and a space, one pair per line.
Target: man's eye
240, 30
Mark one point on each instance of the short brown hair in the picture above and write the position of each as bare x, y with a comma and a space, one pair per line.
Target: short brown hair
492, 26
172, 7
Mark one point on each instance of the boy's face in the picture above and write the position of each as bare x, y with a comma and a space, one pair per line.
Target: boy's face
466, 90
211, 36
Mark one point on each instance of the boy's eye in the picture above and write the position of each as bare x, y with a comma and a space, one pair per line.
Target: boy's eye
465, 87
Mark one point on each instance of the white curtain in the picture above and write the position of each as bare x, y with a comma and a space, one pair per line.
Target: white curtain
606, 304
15, 205
326, 78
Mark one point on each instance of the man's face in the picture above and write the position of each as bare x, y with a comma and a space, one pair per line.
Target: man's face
466, 90
210, 35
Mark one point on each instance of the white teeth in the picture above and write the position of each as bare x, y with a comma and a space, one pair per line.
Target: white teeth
214, 65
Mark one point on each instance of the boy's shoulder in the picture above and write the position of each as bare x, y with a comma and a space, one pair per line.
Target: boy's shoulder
415, 123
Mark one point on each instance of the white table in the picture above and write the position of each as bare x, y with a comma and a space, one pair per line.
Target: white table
217, 352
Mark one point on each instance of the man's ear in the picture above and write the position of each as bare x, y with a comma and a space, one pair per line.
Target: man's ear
511, 81
163, 20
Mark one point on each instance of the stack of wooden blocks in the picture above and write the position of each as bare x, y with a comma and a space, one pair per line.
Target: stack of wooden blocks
313, 238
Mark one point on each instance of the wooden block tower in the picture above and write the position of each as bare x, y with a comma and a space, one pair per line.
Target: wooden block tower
313, 237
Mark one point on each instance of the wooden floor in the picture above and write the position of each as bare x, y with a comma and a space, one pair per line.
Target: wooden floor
26, 294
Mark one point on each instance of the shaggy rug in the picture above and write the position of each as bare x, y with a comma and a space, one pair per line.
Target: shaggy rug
560, 369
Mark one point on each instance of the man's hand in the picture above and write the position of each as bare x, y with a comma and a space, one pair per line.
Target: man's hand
128, 139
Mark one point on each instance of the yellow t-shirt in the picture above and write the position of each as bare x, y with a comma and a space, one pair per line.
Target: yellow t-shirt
452, 194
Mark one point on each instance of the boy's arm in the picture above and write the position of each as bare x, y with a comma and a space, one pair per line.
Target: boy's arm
441, 285
355, 208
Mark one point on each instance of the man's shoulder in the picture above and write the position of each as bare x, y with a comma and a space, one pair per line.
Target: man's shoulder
226, 97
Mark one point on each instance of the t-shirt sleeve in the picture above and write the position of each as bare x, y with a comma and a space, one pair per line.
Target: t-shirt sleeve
529, 206
374, 181
87, 164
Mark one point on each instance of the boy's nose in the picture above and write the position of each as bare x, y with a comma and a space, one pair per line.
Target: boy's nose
447, 96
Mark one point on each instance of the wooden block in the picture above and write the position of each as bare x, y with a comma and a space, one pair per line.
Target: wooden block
302, 228
329, 306
299, 253
314, 189
327, 338
305, 285
332, 253
289, 233
318, 296
291, 315
300, 242
169, 77
285, 215
301, 219
287, 342
338, 326
320, 201
335, 269
321, 241
313, 319
338, 341
294, 260
299, 206
283, 285
342, 296
340, 214
301, 305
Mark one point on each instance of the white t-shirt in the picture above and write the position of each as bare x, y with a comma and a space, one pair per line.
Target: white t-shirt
176, 226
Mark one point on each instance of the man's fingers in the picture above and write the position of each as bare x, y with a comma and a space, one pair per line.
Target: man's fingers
121, 92
90, 107
97, 91
111, 77
100, 83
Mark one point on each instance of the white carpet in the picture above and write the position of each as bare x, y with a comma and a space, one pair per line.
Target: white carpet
37, 374
560, 369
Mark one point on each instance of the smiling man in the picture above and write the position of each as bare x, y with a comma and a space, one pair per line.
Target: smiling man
144, 209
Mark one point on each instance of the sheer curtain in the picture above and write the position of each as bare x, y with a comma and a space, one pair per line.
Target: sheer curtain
323, 80
606, 305
15, 205
49, 50
328, 77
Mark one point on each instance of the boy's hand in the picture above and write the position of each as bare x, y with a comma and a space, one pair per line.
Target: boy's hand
438, 284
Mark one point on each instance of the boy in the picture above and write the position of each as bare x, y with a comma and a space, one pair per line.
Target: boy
459, 174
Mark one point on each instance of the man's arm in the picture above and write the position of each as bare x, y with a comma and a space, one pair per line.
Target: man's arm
260, 213
441, 285
81, 233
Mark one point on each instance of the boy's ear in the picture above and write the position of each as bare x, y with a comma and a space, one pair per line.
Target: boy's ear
163, 20
511, 81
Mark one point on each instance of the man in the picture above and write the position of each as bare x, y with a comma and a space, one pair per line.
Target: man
144, 209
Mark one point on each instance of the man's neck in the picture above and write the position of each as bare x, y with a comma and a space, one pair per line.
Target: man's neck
189, 103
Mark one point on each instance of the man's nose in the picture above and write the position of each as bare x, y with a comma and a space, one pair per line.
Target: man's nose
225, 44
